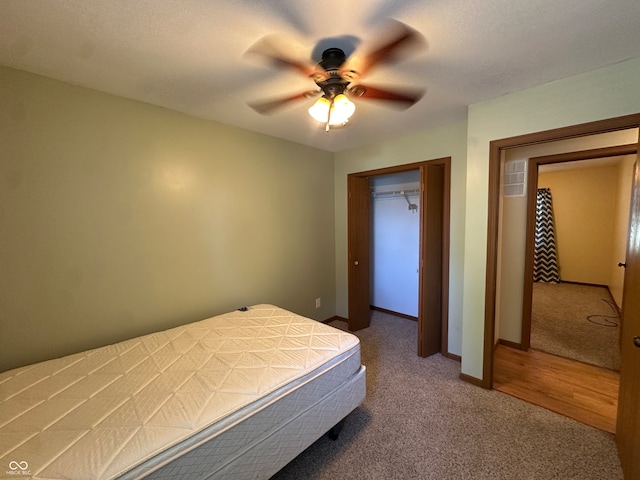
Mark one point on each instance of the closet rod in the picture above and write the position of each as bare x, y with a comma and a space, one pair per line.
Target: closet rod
395, 193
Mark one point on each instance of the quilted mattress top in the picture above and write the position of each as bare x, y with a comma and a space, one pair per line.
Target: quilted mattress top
99, 413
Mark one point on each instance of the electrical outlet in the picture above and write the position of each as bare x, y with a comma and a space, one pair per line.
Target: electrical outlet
318, 303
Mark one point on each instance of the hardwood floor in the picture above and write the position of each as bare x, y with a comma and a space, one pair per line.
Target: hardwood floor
583, 392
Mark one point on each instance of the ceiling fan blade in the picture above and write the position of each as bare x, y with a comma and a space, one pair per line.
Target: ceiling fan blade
267, 49
404, 97
399, 41
268, 106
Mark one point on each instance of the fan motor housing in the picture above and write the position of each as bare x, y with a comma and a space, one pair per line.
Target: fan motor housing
332, 59
332, 83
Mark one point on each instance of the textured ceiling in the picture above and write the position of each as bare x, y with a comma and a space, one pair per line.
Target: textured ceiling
188, 55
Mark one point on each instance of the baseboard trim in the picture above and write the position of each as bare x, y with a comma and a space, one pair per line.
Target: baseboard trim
509, 343
473, 380
395, 314
452, 356
335, 317
584, 283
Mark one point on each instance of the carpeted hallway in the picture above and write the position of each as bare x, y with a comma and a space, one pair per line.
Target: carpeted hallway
577, 322
419, 421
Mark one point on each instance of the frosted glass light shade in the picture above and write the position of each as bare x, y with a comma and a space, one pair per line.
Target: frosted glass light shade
320, 110
341, 110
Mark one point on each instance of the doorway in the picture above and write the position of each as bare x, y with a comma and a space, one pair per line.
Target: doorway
585, 196
593, 188
395, 235
628, 417
498, 148
433, 268
570, 318
573, 334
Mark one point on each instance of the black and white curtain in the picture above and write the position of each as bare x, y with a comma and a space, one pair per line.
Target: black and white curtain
545, 262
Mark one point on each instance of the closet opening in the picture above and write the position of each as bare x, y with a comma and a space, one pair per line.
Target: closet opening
431, 207
395, 243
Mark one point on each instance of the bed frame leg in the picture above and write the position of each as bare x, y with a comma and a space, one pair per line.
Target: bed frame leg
334, 433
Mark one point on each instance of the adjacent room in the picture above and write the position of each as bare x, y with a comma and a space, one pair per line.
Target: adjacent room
569, 205
273, 240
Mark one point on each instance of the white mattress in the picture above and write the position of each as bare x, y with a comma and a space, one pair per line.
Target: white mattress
140, 406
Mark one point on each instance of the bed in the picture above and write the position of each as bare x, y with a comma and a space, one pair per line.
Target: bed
235, 396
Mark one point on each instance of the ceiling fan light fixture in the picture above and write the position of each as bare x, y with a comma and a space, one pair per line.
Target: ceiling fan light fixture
320, 110
341, 109
336, 75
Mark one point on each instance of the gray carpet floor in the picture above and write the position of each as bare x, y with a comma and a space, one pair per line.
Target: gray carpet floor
577, 322
420, 421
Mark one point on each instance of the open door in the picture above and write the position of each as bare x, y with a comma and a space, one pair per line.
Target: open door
628, 424
359, 219
430, 334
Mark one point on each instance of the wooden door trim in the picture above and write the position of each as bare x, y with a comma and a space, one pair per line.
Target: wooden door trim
446, 163
495, 149
446, 252
532, 185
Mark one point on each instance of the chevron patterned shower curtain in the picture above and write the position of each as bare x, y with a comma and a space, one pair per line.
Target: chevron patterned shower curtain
545, 262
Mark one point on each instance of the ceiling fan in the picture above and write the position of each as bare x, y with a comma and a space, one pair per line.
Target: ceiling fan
338, 77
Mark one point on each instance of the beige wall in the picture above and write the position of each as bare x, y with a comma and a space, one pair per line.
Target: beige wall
118, 218
584, 202
600, 94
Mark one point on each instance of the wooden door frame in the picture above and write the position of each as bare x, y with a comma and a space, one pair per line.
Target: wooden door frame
445, 162
495, 151
532, 185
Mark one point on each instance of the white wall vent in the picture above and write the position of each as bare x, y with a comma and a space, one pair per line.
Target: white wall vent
515, 178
